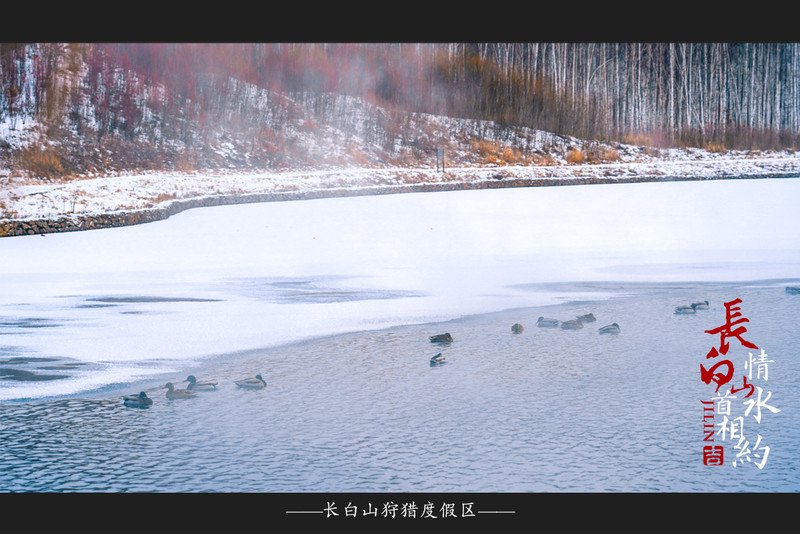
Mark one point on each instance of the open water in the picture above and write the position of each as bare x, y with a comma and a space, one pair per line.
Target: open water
546, 410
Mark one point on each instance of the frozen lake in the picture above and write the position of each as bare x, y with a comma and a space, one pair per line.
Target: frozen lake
120, 305
333, 301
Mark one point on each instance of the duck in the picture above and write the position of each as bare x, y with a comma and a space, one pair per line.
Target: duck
252, 383
517, 328
543, 322
573, 324
684, 310
437, 360
442, 338
613, 328
700, 305
173, 393
588, 318
137, 401
204, 385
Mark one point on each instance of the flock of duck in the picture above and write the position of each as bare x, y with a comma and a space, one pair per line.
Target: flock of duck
575, 324
143, 401
542, 322
572, 324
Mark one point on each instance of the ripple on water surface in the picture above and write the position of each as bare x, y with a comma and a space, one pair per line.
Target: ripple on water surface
546, 409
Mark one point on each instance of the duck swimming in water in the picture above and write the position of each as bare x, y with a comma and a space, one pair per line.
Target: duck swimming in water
173, 393
572, 325
613, 328
204, 385
517, 328
437, 360
137, 401
542, 322
700, 305
442, 338
588, 318
251, 383
684, 310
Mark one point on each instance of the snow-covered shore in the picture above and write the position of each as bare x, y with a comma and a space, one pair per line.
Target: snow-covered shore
22, 200
141, 300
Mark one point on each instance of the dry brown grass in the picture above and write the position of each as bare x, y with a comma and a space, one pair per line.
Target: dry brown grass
608, 154
39, 162
543, 159
510, 155
496, 154
600, 154
714, 148
162, 197
591, 153
485, 150
575, 156
637, 139
491, 159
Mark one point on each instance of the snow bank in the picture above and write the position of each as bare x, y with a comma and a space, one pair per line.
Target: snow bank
23, 200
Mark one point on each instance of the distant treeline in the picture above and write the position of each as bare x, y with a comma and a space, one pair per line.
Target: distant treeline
733, 95
738, 95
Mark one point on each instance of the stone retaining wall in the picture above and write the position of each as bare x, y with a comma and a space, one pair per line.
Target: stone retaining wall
71, 223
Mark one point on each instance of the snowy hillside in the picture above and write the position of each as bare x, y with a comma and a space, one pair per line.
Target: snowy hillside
475, 154
264, 142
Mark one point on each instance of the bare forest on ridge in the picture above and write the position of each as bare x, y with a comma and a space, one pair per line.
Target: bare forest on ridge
112, 107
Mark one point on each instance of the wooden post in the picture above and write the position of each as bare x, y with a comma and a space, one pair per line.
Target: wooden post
439, 154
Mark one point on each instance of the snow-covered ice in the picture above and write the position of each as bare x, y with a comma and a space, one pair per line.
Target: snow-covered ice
242, 277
